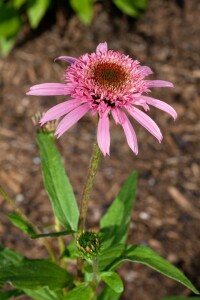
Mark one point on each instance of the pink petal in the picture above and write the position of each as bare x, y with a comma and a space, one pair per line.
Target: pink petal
158, 83
161, 105
73, 117
103, 134
145, 121
59, 110
117, 116
48, 89
50, 85
129, 132
145, 70
102, 47
142, 103
69, 59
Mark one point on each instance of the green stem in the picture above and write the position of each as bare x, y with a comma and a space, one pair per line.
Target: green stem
26, 220
94, 162
95, 271
60, 240
95, 278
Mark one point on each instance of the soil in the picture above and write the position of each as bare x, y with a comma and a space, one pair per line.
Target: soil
166, 215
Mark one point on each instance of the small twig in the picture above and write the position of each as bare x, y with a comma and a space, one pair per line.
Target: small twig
184, 203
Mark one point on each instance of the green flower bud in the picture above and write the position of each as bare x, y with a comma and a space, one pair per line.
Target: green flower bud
49, 127
89, 244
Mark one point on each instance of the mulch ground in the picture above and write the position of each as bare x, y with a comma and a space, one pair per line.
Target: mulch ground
166, 215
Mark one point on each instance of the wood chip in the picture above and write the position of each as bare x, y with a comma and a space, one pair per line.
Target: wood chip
184, 203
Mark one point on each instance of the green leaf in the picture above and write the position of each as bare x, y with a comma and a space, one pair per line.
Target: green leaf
57, 183
180, 298
43, 294
141, 4
130, 7
115, 223
113, 280
36, 11
71, 251
145, 255
10, 21
52, 234
9, 294
84, 9
108, 294
109, 256
18, 3
81, 292
9, 257
6, 44
19, 223
34, 274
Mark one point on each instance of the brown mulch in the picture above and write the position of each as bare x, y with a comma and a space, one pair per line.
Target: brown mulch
166, 215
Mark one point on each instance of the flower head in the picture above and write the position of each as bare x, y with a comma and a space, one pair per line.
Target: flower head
107, 83
89, 243
48, 127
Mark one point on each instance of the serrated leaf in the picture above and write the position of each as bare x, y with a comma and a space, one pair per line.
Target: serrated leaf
113, 280
52, 234
34, 274
109, 294
84, 9
20, 223
10, 21
43, 294
81, 292
57, 183
144, 255
115, 223
36, 11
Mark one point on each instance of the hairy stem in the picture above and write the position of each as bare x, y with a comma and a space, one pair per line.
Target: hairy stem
95, 278
26, 220
95, 271
94, 162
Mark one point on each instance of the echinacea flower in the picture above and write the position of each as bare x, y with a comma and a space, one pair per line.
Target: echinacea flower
107, 83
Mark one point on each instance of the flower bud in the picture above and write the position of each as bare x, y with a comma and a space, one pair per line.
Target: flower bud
89, 244
49, 127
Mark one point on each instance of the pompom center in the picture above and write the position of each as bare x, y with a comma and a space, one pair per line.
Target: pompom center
109, 76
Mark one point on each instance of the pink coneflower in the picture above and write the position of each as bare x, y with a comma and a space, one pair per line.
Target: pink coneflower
106, 83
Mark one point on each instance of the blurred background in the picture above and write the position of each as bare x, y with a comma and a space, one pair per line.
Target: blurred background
159, 33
